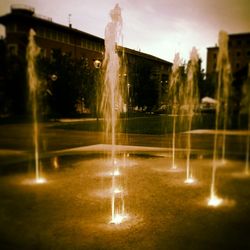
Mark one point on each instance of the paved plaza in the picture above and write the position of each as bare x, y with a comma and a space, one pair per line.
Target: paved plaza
72, 210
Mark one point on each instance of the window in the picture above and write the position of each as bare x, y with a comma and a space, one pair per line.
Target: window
40, 32
60, 37
238, 53
13, 49
88, 44
43, 52
11, 27
54, 35
48, 33
72, 39
66, 38
83, 43
22, 27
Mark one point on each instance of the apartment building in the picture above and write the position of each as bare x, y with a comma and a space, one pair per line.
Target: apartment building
239, 53
76, 43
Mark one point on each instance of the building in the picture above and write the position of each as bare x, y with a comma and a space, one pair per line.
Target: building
49, 35
239, 57
77, 44
239, 53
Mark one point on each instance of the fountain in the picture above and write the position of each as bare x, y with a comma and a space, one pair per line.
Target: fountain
111, 104
247, 144
31, 55
74, 201
79, 216
190, 101
224, 80
174, 95
246, 92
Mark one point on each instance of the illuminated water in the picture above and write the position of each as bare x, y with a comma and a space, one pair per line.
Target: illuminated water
112, 102
247, 90
31, 55
191, 101
174, 95
224, 81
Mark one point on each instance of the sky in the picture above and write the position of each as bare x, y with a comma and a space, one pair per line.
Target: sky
158, 27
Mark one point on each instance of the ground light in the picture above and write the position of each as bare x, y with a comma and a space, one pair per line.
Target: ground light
40, 180
214, 201
115, 172
190, 180
118, 219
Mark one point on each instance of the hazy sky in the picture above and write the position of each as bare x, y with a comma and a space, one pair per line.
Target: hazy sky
157, 27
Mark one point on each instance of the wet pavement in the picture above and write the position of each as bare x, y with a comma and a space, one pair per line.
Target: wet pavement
72, 210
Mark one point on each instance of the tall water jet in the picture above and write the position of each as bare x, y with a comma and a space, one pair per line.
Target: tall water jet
174, 96
191, 101
247, 104
31, 54
111, 103
224, 80
247, 145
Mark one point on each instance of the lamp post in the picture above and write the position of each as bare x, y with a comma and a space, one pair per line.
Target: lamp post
128, 86
53, 77
97, 65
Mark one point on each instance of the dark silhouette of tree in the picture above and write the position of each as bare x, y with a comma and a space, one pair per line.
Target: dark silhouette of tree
66, 83
145, 87
16, 89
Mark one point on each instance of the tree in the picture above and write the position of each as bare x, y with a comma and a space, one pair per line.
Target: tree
145, 87
16, 89
74, 83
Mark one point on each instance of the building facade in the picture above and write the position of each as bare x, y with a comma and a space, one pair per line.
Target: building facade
239, 57
239, 53
79, 45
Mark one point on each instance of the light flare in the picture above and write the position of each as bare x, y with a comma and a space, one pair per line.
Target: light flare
118, 219
214, 201
190, 180
117, 191
174, 167
40, 180
116, 173
55, 162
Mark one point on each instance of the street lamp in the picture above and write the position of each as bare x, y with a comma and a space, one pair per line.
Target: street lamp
128, 86
53, 77
97, 64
